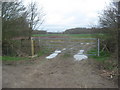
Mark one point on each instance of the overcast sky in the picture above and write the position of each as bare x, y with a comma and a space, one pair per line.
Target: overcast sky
65, 14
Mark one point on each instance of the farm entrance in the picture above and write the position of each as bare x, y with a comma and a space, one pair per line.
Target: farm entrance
64, 44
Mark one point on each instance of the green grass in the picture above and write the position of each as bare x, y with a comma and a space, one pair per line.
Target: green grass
66, 55
74, 35
41, 35
104, 59
69, 35
0, 57
8, 58
100, 58
80, 35
103, 55
44, 51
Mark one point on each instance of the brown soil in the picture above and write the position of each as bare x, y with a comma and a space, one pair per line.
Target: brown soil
56, 73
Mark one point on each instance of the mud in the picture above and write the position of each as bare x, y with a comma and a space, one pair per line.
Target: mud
55, 73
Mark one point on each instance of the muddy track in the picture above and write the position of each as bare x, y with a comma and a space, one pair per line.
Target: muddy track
55, 73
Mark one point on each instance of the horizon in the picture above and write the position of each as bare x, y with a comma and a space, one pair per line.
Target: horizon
86, 28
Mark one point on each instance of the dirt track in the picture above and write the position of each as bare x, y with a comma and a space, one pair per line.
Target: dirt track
56, 73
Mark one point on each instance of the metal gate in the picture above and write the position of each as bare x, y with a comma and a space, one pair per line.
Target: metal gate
69, 44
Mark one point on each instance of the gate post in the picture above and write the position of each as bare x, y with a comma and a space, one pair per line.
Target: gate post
98, 47
32, 46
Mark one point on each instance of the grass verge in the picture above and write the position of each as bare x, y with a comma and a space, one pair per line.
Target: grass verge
69, 35
9, 58
44, 51
104, 59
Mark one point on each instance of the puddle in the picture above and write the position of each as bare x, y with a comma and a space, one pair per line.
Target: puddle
53, 55
57, 51
80, 56
64, 49
84, 43
81, 52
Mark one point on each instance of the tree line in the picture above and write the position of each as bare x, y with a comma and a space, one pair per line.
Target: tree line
108, 19
86, 30
19, 20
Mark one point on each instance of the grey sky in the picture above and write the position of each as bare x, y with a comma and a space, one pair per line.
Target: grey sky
65, 14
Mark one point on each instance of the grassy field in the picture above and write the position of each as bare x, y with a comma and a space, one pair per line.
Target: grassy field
9, 58
69, 35
72, 35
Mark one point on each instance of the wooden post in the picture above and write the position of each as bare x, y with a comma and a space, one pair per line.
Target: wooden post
39, 42
98, 47
32, 46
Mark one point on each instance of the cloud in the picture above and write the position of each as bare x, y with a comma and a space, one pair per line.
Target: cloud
70, 13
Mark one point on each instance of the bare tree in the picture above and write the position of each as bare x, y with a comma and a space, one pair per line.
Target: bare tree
14, 20
108, 20
14, 24
12, 10
35, 16
108, 17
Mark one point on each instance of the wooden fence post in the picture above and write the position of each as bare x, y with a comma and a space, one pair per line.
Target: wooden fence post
32, 46
39, 43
